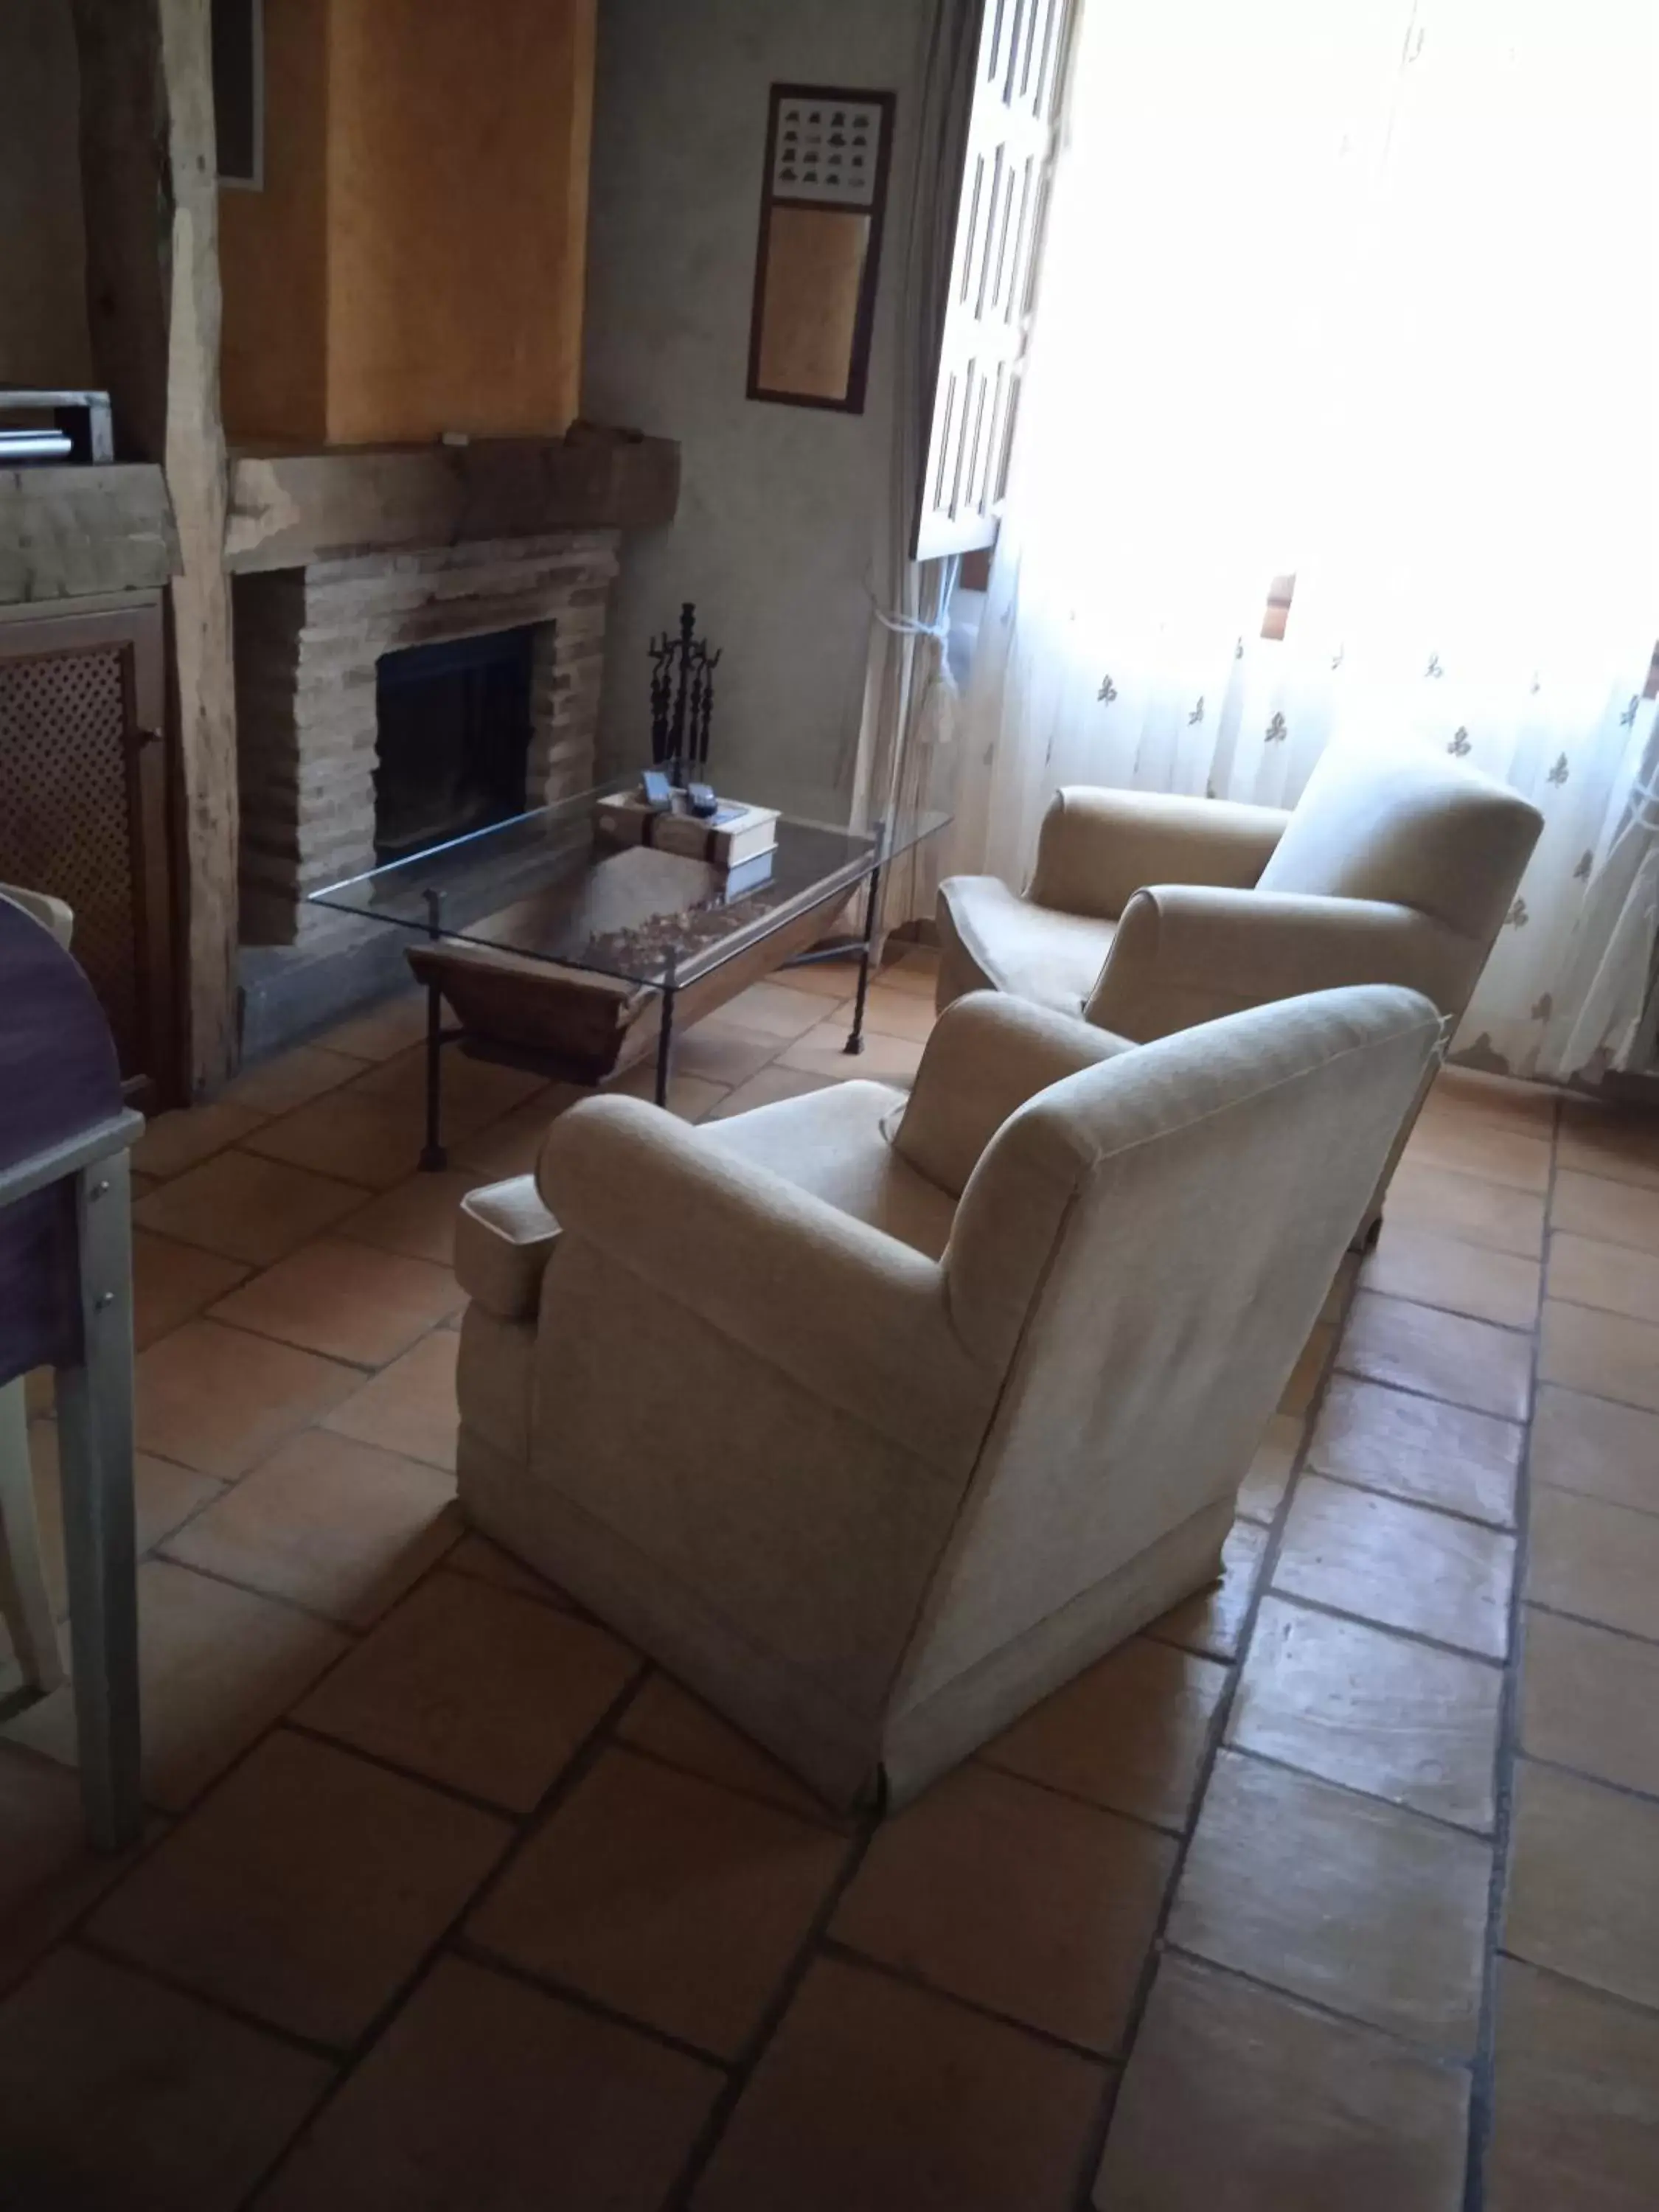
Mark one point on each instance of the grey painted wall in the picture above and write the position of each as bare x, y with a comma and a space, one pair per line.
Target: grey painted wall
780, 507
43, 314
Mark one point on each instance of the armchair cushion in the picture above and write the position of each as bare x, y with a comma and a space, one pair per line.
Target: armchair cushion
992, 939
1186, 953
503, 1237
1412, 828
1097, 848
987, 1054
836, 1143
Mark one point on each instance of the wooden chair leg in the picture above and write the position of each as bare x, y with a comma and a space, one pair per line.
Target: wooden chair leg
24, 1602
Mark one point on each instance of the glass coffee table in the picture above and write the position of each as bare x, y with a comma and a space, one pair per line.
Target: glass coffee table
561, 951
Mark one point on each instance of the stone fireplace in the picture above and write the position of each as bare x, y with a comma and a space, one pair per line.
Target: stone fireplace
319, 650
451, 749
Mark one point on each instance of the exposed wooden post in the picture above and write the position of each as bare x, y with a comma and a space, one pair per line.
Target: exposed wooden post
199, 478
150, 188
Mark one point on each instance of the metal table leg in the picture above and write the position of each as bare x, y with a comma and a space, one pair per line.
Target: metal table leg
871, 902
666, 1034
433, 1155
94, 1421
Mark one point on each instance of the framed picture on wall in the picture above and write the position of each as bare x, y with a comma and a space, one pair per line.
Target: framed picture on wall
822, 202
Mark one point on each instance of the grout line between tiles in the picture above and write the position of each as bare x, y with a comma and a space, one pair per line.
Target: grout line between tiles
359, 1368
1626, 1404
813, 1945
1440, 2055
1271, 1588
1431, 1397
474, 1954
1423, 1504
1464, 1828
578, 1766
823, 1818
1451, 1312
453, 1790
1586, 1774
253, 1589
113, 1955
1095, 2138
1605, 1312
1595, 1496
169, 1821
909, 1978
1633, 2005
1599, 1175
1168, 1829
553, 1598
1483, 2072
1586, 1620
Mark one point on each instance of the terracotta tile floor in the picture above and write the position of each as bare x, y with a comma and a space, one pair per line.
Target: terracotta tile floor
1335, 1887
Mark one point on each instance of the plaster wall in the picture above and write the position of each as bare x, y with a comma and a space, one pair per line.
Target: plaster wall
458, 216
415, 262
779, 507
273, 246
43, 312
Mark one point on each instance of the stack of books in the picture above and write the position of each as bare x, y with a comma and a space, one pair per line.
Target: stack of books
734, 836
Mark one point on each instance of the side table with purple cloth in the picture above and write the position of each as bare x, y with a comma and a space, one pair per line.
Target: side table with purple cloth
66, 1302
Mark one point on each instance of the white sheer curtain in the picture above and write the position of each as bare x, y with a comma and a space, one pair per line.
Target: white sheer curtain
1361, 292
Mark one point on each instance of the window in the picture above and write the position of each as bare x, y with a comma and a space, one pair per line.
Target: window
238, 91
1011, 134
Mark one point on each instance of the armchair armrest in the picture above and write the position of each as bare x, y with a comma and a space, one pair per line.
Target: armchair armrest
504, 1237
848, 1313
1096, 848
986, 1056
1187, 953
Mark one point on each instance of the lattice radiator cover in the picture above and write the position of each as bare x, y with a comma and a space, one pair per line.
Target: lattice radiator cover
66, 822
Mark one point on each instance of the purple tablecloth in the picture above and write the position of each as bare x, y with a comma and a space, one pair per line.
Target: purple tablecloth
57, 1078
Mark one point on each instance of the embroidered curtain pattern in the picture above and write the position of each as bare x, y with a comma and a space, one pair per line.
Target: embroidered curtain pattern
1360, 296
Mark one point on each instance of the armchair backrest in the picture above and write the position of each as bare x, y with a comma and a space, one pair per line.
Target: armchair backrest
1096, 848
1143, 1250
1410, 827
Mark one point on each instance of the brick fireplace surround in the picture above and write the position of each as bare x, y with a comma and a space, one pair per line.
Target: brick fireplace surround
306, 642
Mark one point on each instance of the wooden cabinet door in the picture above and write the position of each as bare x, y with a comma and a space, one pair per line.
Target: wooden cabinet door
87, 812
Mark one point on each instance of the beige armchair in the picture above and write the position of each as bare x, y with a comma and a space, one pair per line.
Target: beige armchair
875, 1418
1148, 913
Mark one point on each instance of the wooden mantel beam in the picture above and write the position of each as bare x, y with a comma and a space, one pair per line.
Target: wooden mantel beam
151, 190
287, 509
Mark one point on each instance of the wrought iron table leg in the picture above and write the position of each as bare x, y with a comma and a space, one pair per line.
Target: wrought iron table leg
665, 1045
94, 1419
434, 1156
855, 1040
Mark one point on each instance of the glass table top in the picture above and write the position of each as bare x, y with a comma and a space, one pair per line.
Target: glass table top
549, 886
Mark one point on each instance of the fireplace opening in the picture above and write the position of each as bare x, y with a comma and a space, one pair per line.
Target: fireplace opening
453, 739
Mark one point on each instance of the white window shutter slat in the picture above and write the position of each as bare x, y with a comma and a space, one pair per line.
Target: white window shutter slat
1012, 136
